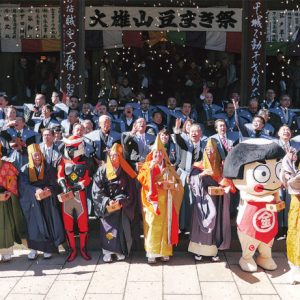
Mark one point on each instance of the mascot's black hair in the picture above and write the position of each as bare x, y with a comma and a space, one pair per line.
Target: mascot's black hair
248, 152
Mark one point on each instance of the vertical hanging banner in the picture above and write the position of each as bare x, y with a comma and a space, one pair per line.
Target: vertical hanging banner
254, 49
70, 47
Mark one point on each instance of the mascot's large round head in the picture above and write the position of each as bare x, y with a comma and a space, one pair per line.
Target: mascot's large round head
254, 166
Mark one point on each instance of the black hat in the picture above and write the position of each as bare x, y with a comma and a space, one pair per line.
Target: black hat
248, 152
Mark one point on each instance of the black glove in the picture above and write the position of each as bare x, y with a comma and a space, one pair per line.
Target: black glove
76, 187
63, 186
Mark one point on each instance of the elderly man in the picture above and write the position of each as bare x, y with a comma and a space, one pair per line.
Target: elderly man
225, 140
136, 143
288, 145
102, 139
45, 229
191, 150
88, 126
114, 186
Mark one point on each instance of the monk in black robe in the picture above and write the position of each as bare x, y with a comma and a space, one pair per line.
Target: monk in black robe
114, 186
45, 229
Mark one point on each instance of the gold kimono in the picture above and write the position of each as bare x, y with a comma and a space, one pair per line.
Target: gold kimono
160, 218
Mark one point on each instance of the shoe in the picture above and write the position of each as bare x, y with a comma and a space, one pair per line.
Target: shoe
107, 258
120, 257
151, 260
198, 257
6, 258
83, 243
47, 255
72, 246
281, 237
32, 255
215, 258
165, 258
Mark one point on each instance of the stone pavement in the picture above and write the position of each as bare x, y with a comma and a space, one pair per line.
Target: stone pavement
181, 278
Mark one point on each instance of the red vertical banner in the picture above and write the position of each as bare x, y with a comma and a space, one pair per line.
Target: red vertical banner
70, 47
253, 49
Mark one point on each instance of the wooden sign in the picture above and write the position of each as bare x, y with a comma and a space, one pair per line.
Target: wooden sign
215, 191
114, 207
65, 197
43, 195
276, 207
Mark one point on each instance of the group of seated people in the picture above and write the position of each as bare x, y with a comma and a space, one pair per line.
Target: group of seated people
147, 163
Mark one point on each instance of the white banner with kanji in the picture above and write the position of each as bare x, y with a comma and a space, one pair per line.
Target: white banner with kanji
163, 18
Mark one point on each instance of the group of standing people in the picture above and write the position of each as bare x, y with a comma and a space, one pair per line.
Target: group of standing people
158, 165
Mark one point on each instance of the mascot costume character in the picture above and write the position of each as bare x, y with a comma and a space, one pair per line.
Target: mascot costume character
73, 175
254, 167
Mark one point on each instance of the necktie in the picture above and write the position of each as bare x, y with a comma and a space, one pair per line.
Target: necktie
195, 153
286, 115
145, 116
19, 134
209, 112
224, 143
48, 155
286, 147
71, 129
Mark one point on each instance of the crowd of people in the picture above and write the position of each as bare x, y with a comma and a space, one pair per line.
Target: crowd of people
149, 165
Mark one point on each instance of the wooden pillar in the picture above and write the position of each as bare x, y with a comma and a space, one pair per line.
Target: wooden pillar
253, 51
72, 48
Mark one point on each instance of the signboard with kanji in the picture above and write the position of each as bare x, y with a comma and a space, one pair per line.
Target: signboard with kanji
70, 48
282, 25
163, 18
255, 52
29, 22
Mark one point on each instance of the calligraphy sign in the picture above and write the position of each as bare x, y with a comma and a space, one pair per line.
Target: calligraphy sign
70, 47
29, 23
282, 25
163, 18
256, 27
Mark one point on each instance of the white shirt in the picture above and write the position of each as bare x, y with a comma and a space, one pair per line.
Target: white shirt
46, 121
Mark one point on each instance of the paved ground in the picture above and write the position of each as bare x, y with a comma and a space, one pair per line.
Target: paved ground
181, 278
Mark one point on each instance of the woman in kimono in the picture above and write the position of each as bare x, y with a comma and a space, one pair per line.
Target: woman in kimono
45, 229
114, 185
290, 177
161, 205
12, 225
211, 229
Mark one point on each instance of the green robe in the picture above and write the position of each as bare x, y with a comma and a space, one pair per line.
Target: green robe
12, 225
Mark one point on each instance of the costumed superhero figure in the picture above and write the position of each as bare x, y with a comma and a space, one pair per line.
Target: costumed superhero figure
73, 175
254, 167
